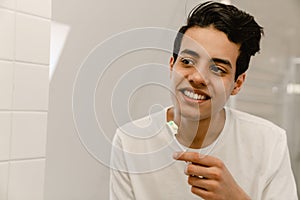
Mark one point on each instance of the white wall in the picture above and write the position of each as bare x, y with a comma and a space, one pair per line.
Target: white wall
71, 172
24, 60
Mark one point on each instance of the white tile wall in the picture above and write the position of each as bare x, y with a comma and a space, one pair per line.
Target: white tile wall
32, 39
24, 83
8, 3
38, 7
26, 180
31, 83
6, 84
28, 138
3, 180
5, 132
7, 34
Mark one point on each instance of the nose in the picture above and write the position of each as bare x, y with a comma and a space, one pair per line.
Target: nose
197, 78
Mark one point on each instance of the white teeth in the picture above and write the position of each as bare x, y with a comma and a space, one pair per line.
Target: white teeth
193, 95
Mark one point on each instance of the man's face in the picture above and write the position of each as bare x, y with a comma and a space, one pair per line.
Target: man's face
202, 76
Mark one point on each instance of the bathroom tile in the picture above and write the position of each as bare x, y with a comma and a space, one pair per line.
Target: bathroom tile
7, 34
3, 180
8, 3
26, 180
31, 85
6, 84
32, 39
37, 7
5, 132
28, 139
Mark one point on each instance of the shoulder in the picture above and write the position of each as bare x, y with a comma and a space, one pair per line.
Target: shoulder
254, 125
258, 137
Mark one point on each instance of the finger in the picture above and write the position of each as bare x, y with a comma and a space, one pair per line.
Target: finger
200, 171
197, 158
201, 192
205, 184
195, 170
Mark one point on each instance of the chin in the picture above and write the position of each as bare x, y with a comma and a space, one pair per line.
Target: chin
194, 114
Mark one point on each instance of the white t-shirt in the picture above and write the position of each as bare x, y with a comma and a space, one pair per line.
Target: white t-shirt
253, 149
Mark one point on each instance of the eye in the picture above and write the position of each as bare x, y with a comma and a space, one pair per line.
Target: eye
216, 69
187, 61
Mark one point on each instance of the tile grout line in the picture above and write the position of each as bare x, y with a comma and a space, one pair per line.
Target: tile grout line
24, 159
25, 13
9, 153
25, 111
42, 65
12, 103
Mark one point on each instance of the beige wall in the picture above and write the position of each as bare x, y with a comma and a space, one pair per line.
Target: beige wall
265, 92
71, 172
24, 83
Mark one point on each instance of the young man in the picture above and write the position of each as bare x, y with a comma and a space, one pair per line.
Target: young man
226, 154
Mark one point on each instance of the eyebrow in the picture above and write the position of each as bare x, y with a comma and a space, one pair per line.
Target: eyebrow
216, 60
222, 61
190, 52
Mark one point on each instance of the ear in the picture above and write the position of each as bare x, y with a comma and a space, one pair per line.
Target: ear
171, 63
238, 84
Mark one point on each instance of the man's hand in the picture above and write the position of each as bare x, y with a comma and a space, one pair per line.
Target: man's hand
209, 177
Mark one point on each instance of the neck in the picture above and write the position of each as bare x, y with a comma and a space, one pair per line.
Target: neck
197, 134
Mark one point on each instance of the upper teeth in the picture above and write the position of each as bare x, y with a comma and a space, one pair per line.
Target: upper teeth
194, 95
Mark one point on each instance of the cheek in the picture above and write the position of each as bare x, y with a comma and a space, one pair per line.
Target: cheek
223, 87
177, 76
230, 87
174, 78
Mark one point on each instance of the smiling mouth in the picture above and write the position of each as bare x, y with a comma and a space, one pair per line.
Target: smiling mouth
195, 95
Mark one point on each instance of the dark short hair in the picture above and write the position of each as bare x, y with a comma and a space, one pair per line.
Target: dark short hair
239, 26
